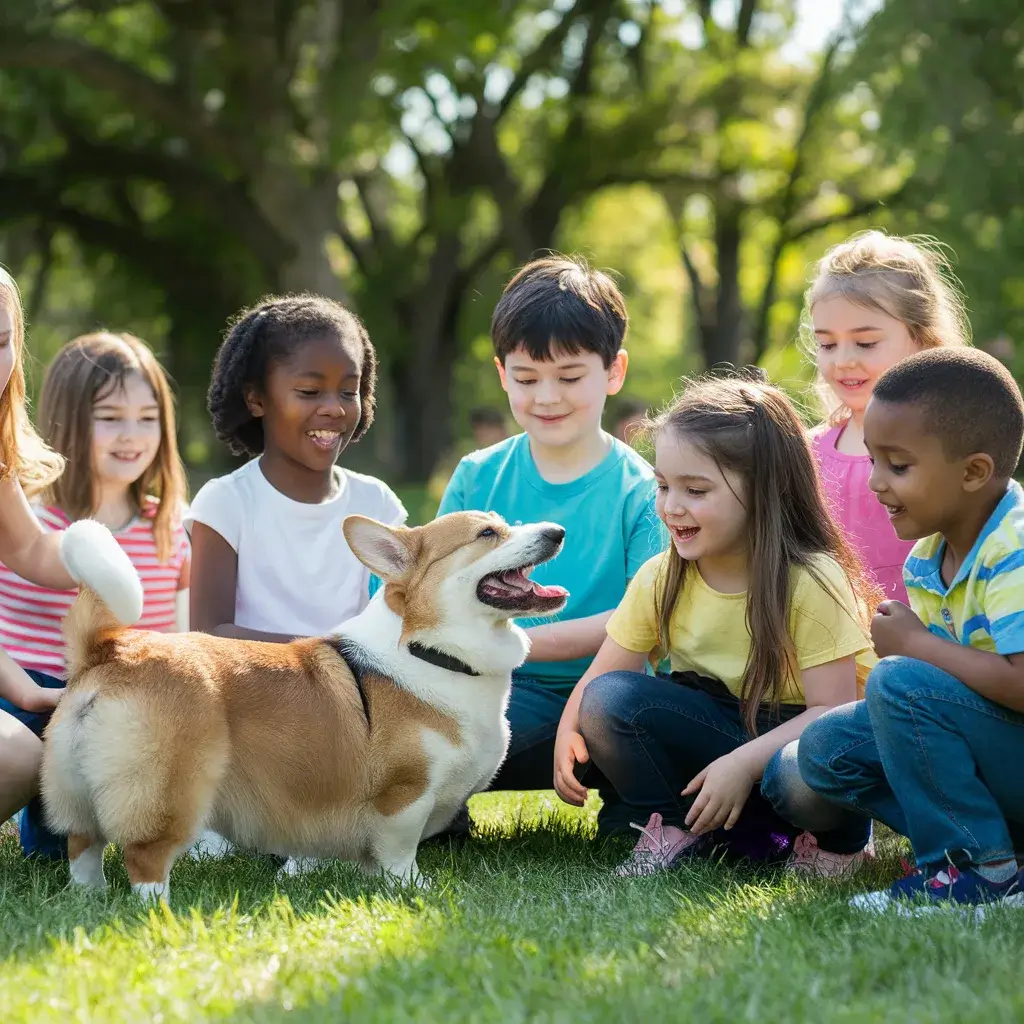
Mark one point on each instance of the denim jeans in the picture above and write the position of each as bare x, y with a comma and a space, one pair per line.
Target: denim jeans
836, 828
650, 735
534, 711
36, 839
928, 756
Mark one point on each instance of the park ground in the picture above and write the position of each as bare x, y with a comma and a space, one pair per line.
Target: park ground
524, 923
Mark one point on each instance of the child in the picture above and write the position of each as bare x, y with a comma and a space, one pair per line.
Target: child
26, 548
558, 332
936, 750
875, 300
106, 407
292, 385
759, 605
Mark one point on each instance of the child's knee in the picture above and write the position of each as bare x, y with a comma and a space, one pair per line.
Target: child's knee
607, 699
781, 782
895, 679
815, 754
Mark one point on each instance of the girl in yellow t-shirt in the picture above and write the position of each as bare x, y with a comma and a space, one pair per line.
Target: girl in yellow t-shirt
758, 604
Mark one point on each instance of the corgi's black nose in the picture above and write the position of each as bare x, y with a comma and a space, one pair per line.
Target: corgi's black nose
555, 534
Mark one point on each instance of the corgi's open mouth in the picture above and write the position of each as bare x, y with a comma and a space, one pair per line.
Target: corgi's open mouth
513, 588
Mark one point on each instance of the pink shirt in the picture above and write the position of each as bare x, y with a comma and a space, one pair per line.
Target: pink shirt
31, 616
863, 519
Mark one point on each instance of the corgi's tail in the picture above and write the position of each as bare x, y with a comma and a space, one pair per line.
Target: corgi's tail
110, 594
96, 561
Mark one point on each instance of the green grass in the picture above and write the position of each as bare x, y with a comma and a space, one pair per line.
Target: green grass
525, 923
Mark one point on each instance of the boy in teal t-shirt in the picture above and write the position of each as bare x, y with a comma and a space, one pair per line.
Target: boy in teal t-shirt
558, 332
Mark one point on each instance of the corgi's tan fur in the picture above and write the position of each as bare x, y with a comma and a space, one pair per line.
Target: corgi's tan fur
356, 745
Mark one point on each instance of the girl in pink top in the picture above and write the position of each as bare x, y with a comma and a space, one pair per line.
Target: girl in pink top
875, 300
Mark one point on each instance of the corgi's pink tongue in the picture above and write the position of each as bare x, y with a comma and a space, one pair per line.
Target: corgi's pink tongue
518, 580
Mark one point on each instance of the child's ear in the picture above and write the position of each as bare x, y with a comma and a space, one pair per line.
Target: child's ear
501, 373
617, 372
253, 401
382, 549
978, 471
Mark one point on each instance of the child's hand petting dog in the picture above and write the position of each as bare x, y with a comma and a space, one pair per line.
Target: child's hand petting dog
724, 788
895, 629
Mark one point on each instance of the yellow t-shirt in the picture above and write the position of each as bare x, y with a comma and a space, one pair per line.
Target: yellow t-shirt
708, 630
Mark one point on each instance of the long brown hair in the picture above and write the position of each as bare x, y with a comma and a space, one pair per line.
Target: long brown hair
83, 371
23, 452
749, 427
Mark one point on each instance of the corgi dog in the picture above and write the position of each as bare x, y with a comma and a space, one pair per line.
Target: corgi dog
356, 745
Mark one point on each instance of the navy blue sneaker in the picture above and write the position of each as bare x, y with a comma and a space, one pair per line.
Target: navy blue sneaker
947, 887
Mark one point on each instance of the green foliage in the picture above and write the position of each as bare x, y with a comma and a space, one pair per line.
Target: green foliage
163, 162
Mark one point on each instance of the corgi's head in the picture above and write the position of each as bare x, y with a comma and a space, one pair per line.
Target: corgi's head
460, 572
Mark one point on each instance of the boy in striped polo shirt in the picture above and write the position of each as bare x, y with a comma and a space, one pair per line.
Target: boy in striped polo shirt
936, 750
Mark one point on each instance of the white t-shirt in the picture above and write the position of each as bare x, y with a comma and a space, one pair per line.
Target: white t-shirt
296, 573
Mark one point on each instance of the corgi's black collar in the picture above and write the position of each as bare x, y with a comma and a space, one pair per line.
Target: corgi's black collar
433, 656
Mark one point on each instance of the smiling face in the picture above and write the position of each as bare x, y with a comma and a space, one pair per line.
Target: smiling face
856, 345
922, 489
125, 431
559, 402
699, 502
310, 402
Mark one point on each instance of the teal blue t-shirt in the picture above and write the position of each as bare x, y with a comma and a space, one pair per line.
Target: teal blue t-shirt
610, 524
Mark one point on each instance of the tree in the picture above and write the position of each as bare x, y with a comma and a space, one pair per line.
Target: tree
953, 103
208, 145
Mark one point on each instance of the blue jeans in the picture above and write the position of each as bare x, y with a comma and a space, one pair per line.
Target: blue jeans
36, 838
650, 735
534, 711
836, 829
928, 756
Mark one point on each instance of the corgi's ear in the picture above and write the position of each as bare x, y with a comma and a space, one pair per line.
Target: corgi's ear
384, 550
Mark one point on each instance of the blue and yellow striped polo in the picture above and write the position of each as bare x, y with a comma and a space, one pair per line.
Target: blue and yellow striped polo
984, 605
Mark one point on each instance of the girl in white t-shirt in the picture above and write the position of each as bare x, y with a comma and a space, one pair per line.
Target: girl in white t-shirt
293, 384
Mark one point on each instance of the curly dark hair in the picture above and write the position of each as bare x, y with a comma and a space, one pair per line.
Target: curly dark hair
264, 333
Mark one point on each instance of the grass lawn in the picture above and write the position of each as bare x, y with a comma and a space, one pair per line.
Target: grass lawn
523, 924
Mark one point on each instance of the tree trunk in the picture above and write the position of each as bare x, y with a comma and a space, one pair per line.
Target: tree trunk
722, 337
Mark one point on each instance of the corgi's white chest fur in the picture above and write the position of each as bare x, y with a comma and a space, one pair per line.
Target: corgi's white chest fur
476, 702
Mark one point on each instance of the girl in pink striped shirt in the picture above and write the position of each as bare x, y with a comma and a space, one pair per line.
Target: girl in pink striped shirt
106, 406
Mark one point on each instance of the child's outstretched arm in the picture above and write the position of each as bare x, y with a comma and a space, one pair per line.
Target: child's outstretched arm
25, 547
569, 640
17, 686
212, 583
723, 787
570, 747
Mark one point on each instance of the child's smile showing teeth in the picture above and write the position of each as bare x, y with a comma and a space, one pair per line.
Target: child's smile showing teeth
324, 439
684, 533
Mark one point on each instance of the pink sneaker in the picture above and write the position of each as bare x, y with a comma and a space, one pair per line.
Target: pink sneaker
809, 859
658, 849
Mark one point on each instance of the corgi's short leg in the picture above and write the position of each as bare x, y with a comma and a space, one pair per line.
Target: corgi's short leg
149, 867
85, 854
211, 844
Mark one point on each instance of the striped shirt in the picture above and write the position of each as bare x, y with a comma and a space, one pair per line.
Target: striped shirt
984, 605
31, 616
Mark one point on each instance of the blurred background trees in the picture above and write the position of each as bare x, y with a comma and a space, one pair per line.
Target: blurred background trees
165, 162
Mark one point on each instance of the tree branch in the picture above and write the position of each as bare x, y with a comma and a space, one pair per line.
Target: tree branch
696, 283
743, 22
137, 90
535, 61
858, 209
817, 99
224, 202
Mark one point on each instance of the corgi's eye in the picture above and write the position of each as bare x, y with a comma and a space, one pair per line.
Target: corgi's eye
487, 531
